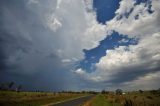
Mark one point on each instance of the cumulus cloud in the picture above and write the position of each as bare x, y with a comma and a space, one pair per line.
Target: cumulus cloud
129, 59
125, 7
133, 62
45, 29
139, 22
77, 29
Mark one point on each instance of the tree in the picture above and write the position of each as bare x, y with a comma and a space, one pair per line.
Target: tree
103, 92
119, 92
10, 85
140, 91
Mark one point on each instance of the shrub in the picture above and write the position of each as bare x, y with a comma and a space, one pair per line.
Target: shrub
119, 92
140, 91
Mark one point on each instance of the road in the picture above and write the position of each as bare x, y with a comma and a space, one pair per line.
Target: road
75, 102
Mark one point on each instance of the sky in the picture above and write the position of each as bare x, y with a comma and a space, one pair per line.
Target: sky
55, 45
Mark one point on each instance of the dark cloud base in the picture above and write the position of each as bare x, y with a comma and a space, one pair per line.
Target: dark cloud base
28, 61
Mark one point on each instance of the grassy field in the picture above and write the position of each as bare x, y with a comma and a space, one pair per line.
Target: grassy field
146, 98
12, 98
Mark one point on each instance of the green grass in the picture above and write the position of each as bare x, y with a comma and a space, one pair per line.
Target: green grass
100, 100
11, 98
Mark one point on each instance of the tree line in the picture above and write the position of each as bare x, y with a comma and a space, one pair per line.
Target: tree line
11, 86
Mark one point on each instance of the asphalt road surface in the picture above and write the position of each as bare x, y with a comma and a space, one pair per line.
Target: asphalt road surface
75, 102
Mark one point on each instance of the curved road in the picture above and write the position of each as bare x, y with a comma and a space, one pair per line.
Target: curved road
75, 102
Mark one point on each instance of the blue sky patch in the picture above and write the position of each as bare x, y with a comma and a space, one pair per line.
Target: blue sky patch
93, 56
105, 9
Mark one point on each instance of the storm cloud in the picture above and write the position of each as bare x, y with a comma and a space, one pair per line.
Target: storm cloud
37, 37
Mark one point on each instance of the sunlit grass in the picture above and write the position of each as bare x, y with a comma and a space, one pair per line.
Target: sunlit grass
135, 98
99, 100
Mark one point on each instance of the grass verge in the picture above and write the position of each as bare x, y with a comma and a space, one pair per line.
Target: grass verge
98, 100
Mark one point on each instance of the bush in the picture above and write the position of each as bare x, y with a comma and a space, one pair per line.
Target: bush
140, 91
119, 92
104, 92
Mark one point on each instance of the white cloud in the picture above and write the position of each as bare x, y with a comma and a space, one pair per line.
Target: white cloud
123, 41
141, 58
125, 6
32, 1
145, 25
77, 29
66, 60
54, 24
122, 58
74, 29
80, 71
89, 5
58, 3
90, 77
